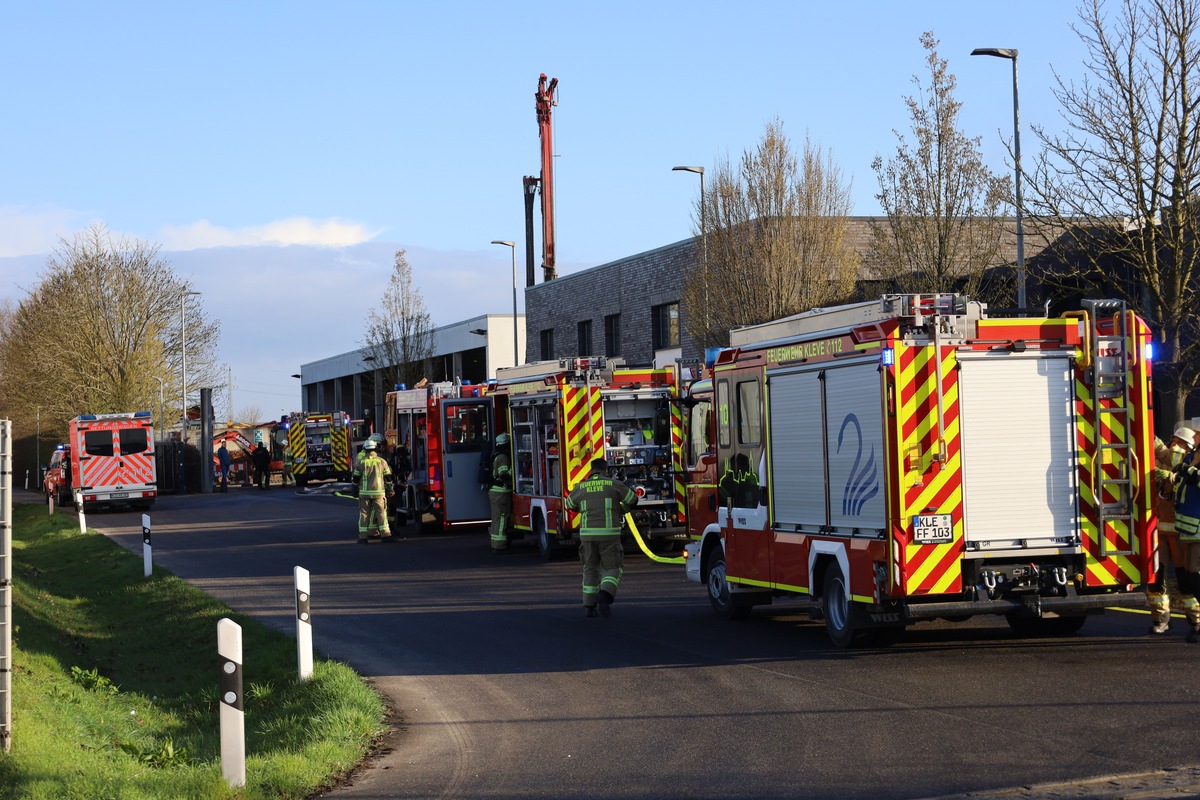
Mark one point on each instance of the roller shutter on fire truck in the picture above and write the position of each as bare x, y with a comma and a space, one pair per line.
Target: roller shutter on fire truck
1019, 455
827, 447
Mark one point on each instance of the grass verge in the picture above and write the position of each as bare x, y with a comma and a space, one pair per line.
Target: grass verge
114, 685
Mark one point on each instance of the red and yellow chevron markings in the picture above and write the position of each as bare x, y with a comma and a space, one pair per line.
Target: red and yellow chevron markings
583, 421
297, 445
926, 486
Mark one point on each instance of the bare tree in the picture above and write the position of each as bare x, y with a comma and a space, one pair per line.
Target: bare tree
772, 239
399, 334
1121, 183
98, 329
943, 229
249, 415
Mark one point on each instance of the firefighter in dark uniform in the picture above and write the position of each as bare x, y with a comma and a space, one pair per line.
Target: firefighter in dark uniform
602, 504
500, 495
373, 478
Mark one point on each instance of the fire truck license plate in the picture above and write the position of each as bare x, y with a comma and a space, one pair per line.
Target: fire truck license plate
933, 529
119, 495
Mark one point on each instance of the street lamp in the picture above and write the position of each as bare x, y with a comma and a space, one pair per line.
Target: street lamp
183, 296
161, 419
703, 233
513, 246
1011, 53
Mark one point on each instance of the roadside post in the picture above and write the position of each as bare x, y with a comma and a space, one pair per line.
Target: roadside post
233, 712
304, 651
79, 508
147, 559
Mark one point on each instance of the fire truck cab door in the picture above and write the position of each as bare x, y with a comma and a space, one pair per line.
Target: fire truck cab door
467, 434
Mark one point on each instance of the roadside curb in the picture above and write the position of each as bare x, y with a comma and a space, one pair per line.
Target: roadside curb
1164, 784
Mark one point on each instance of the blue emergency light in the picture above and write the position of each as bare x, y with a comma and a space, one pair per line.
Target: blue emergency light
887, 356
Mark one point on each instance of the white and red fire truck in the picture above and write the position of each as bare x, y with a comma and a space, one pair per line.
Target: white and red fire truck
563, 414
447, 429
108, 461
914, 458
319, 445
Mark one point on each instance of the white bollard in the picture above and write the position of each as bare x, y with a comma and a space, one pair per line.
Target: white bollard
304, 651
147, 559
233, 713
50, 502
79, 507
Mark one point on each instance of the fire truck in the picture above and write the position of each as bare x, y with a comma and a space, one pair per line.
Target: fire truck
447, 429
915, 458
109, 461
563, 414
320, 446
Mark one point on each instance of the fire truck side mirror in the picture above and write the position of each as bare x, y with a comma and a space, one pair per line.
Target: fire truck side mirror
662, 427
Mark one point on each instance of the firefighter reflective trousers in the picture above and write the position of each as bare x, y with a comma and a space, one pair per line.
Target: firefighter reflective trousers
601, 558
501, 503
372, 516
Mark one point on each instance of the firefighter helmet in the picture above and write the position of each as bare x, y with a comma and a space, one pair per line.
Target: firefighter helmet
370, 444
1185, 433
377, 438
502, 439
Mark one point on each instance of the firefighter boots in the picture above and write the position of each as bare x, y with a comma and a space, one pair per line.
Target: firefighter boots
605, 601
1193, 636
589, 611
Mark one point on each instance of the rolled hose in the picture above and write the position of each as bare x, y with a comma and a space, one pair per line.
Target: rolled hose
637, 535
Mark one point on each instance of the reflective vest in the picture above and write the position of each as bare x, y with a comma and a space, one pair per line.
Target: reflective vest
375, 475
1187, 503
601, 503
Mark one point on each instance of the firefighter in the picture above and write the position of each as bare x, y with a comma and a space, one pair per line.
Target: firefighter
602, 504
373, 480
500, 495
1168, 458
377, 438
262, 466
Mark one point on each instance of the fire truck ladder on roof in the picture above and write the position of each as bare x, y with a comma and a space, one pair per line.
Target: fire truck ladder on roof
1108, 371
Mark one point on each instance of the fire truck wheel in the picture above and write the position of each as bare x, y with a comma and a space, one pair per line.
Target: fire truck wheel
1044, 626
726, 603
547, 547
835, 602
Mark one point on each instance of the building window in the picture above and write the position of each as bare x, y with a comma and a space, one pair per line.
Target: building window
612, 335
664, 321
547, 338
584, 330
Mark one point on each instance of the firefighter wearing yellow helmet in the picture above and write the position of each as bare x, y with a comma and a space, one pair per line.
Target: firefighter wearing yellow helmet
500, 495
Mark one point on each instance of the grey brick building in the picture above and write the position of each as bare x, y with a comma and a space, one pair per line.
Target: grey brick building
624, 308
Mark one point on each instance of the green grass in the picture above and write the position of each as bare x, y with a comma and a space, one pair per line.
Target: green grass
115, 684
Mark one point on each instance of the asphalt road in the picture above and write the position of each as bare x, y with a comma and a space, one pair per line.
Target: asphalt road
504, 690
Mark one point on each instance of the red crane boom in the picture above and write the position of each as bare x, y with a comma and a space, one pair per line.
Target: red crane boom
546, 99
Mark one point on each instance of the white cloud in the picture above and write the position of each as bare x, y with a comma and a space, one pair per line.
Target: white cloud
333, 232
27, 230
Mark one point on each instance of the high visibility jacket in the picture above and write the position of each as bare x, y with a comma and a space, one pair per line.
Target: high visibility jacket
1187, 499
601, 503
501, 473
373, 475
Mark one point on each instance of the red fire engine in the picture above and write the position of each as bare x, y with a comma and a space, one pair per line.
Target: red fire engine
913, 458
447, 429
563, 414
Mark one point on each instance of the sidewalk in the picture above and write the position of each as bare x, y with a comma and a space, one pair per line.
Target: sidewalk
1170, 784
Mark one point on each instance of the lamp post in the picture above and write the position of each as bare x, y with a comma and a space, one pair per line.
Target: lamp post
161, 419
513, 246
1011, 53
703, 233
183, 296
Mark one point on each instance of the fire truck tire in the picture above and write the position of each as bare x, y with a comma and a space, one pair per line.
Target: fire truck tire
726, 603
1045, 626
835, 603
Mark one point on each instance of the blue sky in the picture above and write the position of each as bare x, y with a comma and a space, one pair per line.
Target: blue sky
280, 152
